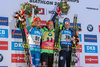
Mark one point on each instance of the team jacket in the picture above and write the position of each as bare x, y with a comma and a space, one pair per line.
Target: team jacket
47, 40
34, 38
66, 37
65, 40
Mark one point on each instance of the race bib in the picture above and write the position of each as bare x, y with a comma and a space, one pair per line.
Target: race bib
65, 37
34, 39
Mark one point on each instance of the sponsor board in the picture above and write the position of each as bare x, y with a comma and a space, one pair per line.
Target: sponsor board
3, 21
3, 33
91, 59
3, 45
90, 38
17, 34
17, 46
17, 58
91, 49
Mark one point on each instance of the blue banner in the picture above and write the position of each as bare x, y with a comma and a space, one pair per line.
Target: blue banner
17, 34
4, 21
91, 49
17, 46
90, 38
3, 33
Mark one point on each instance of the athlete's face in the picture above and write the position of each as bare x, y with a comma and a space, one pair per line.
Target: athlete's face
50, 25
67, 25
37, 23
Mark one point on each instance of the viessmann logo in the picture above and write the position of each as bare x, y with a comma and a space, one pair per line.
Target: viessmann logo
91, 49
91, 59
3, 45
17, 34
17, 46
90, 38
4, 21
18, 58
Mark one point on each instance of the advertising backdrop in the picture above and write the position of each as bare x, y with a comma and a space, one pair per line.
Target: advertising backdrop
88, 12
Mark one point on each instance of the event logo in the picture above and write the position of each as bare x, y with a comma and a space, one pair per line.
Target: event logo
16, 34
91, 59
42, 2
3, 45
91, 49
48, 2
3, 33
4, 21
1, 57
90, 38
18, 58
17, 46
41, 12
90, 28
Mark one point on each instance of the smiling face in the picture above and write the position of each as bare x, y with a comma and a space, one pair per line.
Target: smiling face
67, 25
37, 23
50, 25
